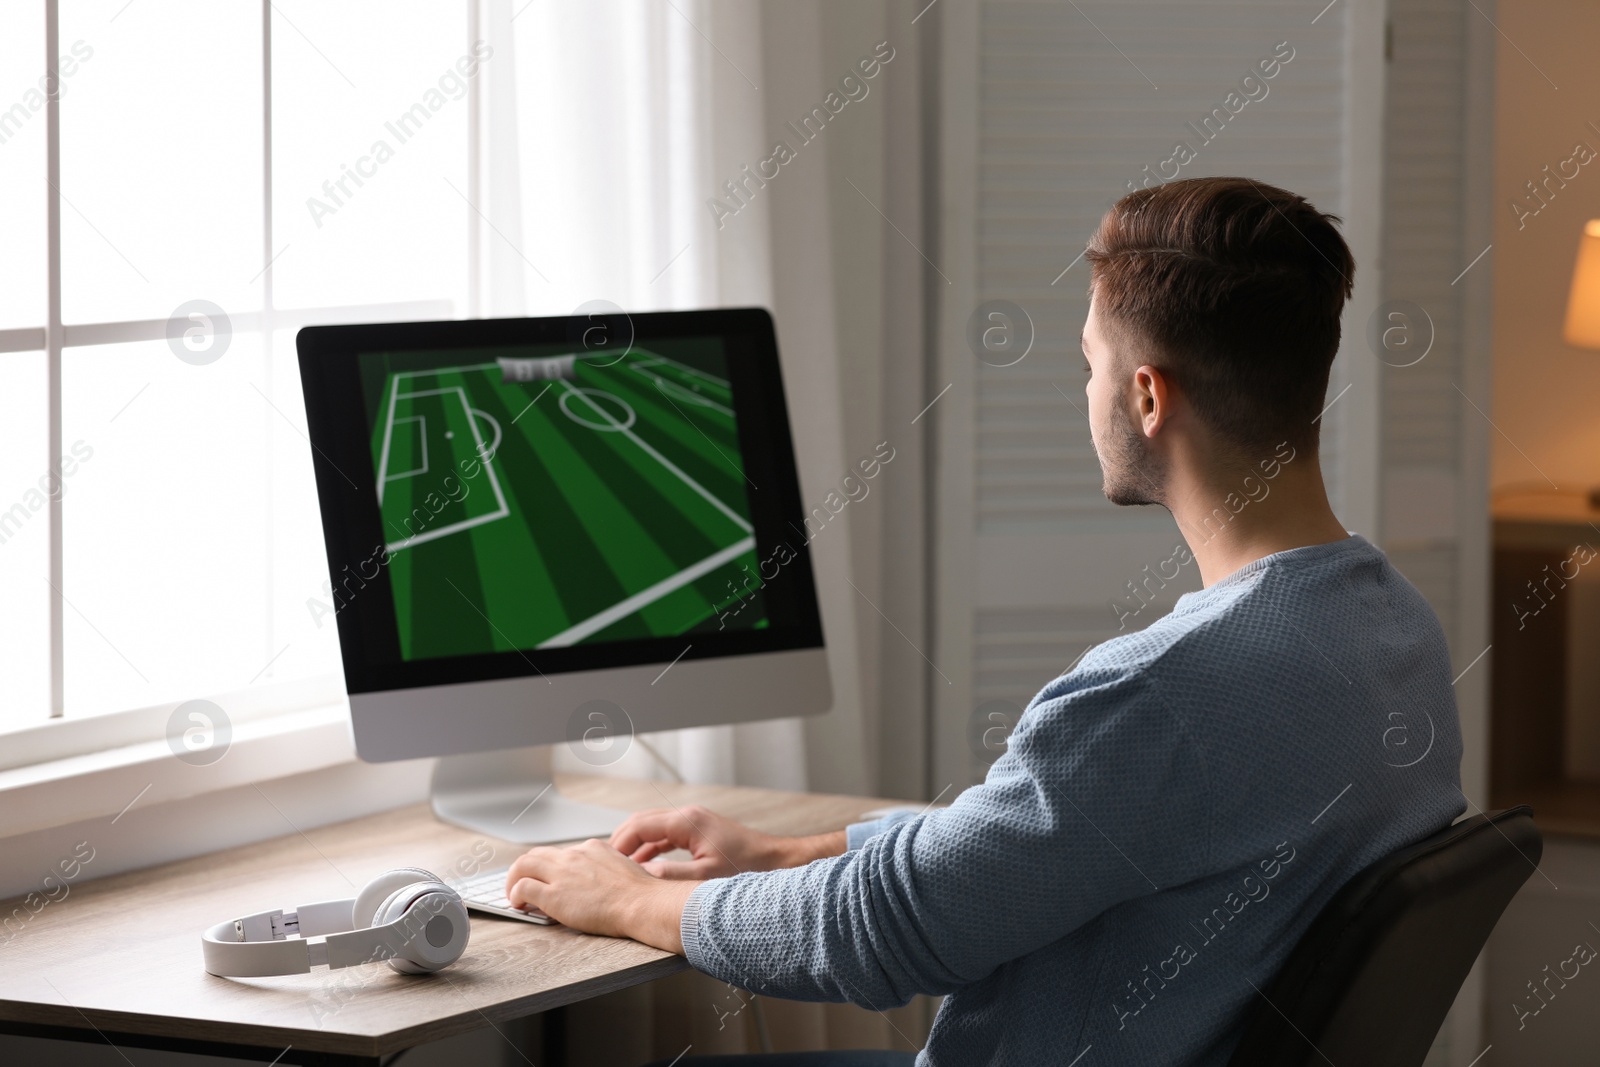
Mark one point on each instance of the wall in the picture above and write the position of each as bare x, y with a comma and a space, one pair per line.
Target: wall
1548, 98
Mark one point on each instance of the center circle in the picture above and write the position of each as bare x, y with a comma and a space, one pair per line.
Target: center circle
594, 398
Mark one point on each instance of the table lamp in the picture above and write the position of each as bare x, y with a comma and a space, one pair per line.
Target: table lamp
1583, 304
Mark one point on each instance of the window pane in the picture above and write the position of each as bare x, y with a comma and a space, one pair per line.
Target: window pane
161, 158
193, 545
369, 152
167, 538
22, 185
25, 541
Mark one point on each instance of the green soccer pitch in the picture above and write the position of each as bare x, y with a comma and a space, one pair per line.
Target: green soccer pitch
611, 506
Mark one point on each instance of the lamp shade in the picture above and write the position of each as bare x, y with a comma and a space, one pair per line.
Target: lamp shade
1583, 305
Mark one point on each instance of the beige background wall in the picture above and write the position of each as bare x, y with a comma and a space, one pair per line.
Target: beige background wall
1546, 408
1546, 393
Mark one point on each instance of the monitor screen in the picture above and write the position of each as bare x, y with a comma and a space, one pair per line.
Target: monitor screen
500, 500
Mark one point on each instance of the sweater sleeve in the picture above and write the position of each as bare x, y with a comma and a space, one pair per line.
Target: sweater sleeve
1100, 798
859, 833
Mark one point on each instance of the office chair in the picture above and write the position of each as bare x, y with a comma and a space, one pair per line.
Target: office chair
1370, 982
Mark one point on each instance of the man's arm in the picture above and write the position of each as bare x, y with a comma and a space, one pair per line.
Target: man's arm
585, 886
802, 850
1101, 798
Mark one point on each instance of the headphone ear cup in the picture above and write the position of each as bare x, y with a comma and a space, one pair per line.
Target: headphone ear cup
432, 926
380, 888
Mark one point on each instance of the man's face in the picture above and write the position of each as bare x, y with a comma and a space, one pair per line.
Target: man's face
1132, 471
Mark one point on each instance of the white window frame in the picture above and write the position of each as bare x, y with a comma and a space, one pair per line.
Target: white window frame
61, 769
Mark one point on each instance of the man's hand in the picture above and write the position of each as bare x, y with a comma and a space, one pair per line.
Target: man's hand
596, 889
719, 847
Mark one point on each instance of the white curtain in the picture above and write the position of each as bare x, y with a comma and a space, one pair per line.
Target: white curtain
608, 128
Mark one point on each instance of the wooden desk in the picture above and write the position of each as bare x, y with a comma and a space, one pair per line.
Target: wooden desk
118, 959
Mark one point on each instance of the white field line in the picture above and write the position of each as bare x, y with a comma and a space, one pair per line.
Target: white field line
732, 515
494, 481
455, 527
640, 600
444, 370
691, 370
688, 395
388, 432
388, 428
424, 439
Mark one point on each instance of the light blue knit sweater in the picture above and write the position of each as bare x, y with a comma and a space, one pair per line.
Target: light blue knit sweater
1167, 820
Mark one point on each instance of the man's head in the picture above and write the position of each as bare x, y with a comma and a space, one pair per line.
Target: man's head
1218, 298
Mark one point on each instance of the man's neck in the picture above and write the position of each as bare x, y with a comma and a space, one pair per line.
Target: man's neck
1232, 520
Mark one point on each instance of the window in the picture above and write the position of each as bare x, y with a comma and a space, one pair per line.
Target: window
197, 182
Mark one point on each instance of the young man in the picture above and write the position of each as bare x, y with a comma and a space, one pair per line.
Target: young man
1172, 813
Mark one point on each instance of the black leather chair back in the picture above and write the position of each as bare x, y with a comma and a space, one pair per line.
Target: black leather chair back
1371, 981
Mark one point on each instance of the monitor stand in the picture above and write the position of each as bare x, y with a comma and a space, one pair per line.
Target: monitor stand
511, 795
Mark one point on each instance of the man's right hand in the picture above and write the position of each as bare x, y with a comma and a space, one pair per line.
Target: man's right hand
718, 846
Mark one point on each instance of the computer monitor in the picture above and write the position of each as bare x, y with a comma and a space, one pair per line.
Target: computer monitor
558, 530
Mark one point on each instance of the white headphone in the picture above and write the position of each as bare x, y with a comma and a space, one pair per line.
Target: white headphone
406, 916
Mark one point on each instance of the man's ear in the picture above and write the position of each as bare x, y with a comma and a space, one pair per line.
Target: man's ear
1153, 398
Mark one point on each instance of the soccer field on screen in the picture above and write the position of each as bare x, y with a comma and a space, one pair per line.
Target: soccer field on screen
611, 505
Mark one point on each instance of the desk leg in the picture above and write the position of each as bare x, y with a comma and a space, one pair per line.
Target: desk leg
553, 1037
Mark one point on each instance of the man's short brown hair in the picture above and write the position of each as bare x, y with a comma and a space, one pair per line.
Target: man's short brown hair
1233, 288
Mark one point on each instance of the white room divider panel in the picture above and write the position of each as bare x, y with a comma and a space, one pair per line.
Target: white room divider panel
1049, 113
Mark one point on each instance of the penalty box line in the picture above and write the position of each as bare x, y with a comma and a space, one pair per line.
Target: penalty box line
422, 437
394, 395
504, 509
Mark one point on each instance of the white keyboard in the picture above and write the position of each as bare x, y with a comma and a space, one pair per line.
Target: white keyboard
487, 892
